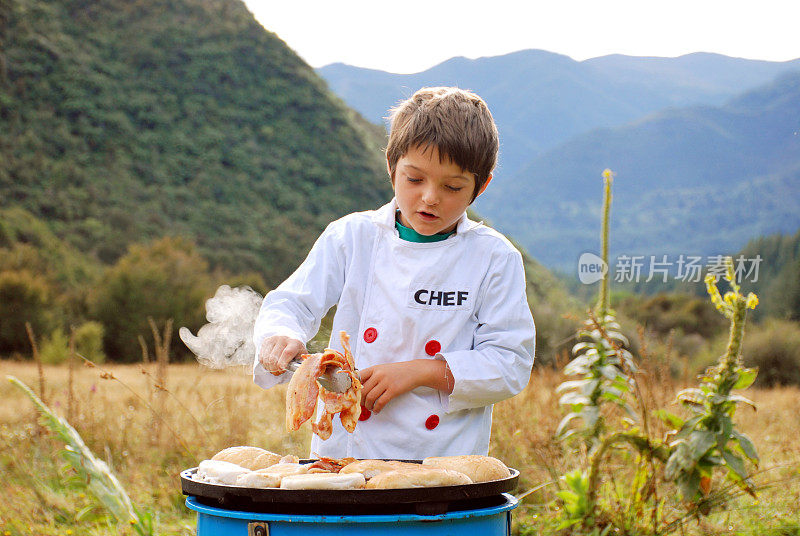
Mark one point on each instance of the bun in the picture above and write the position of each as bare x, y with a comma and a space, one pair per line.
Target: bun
419, 478
478, 468
252, 458
270, 477
219, 472
323, 481
256, 479
371, 468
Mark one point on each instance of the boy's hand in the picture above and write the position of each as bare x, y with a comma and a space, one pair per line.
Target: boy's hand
277, 351
384, 382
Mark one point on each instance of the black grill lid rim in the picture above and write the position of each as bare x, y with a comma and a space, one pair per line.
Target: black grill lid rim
225, 493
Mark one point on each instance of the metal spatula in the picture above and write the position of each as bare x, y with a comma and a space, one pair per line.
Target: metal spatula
331, 381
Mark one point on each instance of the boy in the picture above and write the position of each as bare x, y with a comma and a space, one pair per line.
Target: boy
434, 302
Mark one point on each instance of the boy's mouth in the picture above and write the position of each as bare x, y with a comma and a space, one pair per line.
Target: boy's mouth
427, 215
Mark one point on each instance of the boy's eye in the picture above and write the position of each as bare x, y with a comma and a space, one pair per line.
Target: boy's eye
412, 179
454, 188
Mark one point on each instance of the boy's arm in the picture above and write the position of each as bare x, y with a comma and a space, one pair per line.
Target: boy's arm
296, 307
499, 365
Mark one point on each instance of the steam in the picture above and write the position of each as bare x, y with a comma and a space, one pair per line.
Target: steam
227, 339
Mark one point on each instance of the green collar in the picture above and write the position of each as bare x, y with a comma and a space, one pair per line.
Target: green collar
410, 235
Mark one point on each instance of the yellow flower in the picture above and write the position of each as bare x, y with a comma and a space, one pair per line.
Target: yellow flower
608, 175
752, 301
730, 298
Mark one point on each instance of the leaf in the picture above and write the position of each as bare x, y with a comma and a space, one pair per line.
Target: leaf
692, 396
572, 384
568, 523
619, 337
746, 378
590, 387
741, 400
700, 441
610, 371
577, 481
689, 485
574, 398
579, 365
580, 348
679, 461
611, 396
735, 464
689, 426
569, 497
746, 445
565, 422
669, 418
622, 383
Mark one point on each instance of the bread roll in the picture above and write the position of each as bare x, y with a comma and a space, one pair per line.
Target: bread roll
323, 481
371, 468
420, 478
219, 472
478, 468
252, 458
257, 479
271, 476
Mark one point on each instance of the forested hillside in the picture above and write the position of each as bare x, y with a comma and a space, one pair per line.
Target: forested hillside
778, 283
152, 151
124, 121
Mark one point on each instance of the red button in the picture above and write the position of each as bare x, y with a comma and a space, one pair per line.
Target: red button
433, 347
370, 334
365, 413
432, 422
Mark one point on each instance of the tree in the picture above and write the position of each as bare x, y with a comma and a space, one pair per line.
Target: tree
167, 279
23, 298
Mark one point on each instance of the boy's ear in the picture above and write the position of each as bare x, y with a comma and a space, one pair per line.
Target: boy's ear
389, 170
485, 184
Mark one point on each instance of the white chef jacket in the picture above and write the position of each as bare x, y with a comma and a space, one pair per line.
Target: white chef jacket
461, 300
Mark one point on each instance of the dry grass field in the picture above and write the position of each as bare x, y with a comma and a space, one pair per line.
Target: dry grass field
148, 435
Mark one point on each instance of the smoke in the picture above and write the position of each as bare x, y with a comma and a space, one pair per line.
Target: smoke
227, 339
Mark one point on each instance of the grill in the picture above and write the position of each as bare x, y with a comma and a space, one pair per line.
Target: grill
484, 507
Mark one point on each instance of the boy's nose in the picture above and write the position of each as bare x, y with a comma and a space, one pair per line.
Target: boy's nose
429, 197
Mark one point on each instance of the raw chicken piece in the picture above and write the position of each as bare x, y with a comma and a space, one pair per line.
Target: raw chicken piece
303, 391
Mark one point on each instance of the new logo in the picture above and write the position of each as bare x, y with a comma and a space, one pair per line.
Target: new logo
591, 268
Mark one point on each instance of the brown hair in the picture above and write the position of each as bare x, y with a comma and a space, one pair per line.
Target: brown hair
455, 121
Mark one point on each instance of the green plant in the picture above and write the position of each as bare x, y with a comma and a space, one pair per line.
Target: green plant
709, 440
55, 347
600, 359
691, 452
89, 341
575, 498
95, 473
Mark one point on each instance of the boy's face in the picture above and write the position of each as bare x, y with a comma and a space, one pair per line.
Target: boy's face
431, 195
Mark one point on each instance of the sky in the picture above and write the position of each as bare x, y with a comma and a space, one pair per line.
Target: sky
411, 36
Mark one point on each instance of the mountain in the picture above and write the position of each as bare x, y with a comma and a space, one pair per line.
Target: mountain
700, 180
123, 121
540, 99
129, 127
